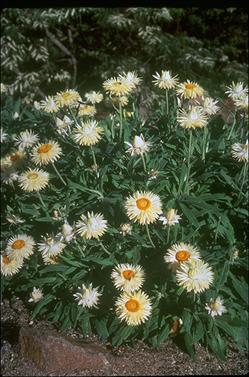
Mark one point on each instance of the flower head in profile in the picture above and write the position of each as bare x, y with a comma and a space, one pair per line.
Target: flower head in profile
144, 207
210, 106
240, 151
88, 133
139, 146
215, 307
63, 126
190, 89
133, 307
88, 296
67, 232
171, 217
16, 159
3, 88
44, 153
91, 226
68, 98
36, 295
3, 135
194, 118
194, 275
94, 97
51, 246
236, 91
165, 80
122, 101
10, 265
21, 246
242, 103
87, 110
49, 105
180, 253
127, 277
131, 77
125, 229
118, 87
33, 180
8, 171
26, 139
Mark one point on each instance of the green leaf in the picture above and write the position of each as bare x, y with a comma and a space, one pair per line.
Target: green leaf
122, 334
163, 335
43, 302
198, 332
188, 340
241, 287
101, 328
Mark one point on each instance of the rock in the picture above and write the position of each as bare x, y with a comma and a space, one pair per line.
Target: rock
54, 353
6, 353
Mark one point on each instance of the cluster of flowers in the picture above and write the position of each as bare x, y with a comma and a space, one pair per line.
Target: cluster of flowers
133, 306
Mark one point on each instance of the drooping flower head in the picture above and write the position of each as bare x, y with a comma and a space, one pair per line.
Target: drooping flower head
133, 308
63, 126
44, 153
194, 118
88, 296
33, 180
242, 103
190, 89
144, 207
91, 226
88, 133
165, 80
194, 275
127, 277
215, 307
240, 151
21, 246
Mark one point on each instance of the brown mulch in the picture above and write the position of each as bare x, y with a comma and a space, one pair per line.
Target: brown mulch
140, 360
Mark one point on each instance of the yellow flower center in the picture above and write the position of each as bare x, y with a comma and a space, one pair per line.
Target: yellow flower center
18, 244
143, 204
132, 305
6, 259
215, 306
128, 274
182, 255
32, 175
45, 148
190, 86
15, 157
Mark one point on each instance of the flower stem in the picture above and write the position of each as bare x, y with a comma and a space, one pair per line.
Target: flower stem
94, 158
103, 247
167, 101
244, 169
148, 233
204, 143
112, 129
144, 162
189, 155
62, 180
71, 112
40, 198
121, 121
232, 128
168, 232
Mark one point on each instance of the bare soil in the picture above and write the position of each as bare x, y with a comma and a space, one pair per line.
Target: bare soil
139, 360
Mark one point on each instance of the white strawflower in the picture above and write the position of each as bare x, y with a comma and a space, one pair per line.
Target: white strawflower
87, 296
26, 139
139, 146
215, 307
36, 295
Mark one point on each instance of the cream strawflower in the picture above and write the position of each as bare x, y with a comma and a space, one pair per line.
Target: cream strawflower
190, 89
125, 229
133, 308
91, 226
139, 146
43, 154
131, 77
144, 207
179, 253
171, 217
3, 135
36, 295
236, 91
194, 118
215, 307
21, 246
10, 265
88, 133
26, 139
122, 100
118, 87
94, 97
33, 180
87, 296
49, 105
69, 98
194, 275
209, 106
127, 277
51, 246
89, 110
242, 103
16, 159
240, 151
165, 80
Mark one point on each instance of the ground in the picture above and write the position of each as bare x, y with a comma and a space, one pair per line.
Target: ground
126, 361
